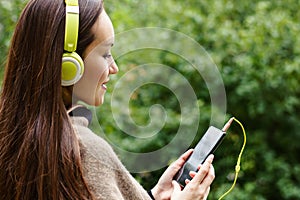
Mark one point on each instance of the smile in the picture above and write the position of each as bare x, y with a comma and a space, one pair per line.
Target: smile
103, 85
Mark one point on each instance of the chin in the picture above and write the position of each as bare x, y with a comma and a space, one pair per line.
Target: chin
99, 102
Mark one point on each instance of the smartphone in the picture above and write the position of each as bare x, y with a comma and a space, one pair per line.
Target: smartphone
206, 146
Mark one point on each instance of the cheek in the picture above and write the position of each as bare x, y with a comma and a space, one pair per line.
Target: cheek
93, 75
95, 68
95, 72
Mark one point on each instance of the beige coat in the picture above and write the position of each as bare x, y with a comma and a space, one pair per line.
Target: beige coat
105, 174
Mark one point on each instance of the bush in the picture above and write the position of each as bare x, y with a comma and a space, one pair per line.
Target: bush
256, 47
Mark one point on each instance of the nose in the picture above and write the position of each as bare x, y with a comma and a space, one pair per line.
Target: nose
113, 67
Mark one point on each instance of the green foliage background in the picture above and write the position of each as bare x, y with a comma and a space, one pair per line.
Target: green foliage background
256, 46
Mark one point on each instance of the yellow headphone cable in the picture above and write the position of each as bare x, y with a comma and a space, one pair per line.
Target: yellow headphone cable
237, 167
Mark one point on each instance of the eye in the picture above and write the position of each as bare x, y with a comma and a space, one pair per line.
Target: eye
107, 56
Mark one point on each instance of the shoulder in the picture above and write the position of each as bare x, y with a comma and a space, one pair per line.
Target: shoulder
106, 175
92, 146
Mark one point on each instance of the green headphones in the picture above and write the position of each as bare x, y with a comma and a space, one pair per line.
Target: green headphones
72, 63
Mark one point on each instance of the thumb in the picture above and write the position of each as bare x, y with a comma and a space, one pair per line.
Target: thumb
176, 188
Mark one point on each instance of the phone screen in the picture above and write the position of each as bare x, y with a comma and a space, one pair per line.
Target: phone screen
206, 146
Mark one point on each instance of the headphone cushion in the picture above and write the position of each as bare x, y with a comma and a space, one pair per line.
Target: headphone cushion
72, 68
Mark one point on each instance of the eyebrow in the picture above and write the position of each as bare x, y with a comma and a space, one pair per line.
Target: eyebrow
108, 44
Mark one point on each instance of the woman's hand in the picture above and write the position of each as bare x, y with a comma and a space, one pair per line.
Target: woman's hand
165, 188
198, 188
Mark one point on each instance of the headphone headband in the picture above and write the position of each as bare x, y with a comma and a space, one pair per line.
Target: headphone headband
72, 63
72, 25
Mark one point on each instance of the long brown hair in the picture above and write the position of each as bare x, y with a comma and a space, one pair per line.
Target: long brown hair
39, 151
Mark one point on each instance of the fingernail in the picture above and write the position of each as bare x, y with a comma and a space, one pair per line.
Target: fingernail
211, 157
199, 166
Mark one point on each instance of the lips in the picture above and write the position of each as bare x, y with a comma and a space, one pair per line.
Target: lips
103, 85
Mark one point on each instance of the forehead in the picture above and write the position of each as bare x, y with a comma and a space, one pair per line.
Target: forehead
103, 28
103, 31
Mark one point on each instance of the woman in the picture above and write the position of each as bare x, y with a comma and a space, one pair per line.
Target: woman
46, 153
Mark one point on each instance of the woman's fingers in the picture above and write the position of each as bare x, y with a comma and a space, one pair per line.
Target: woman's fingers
175, 166
199, 186
183, 158
187, 181
204, 170
168, 175
176, 188
192, 174
210, 176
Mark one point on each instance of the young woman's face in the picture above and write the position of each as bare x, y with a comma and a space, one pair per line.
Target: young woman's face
98, 64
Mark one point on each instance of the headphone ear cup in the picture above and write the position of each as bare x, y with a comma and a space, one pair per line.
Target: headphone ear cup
72, 69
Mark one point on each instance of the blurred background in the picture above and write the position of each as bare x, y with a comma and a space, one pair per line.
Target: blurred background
256, 47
